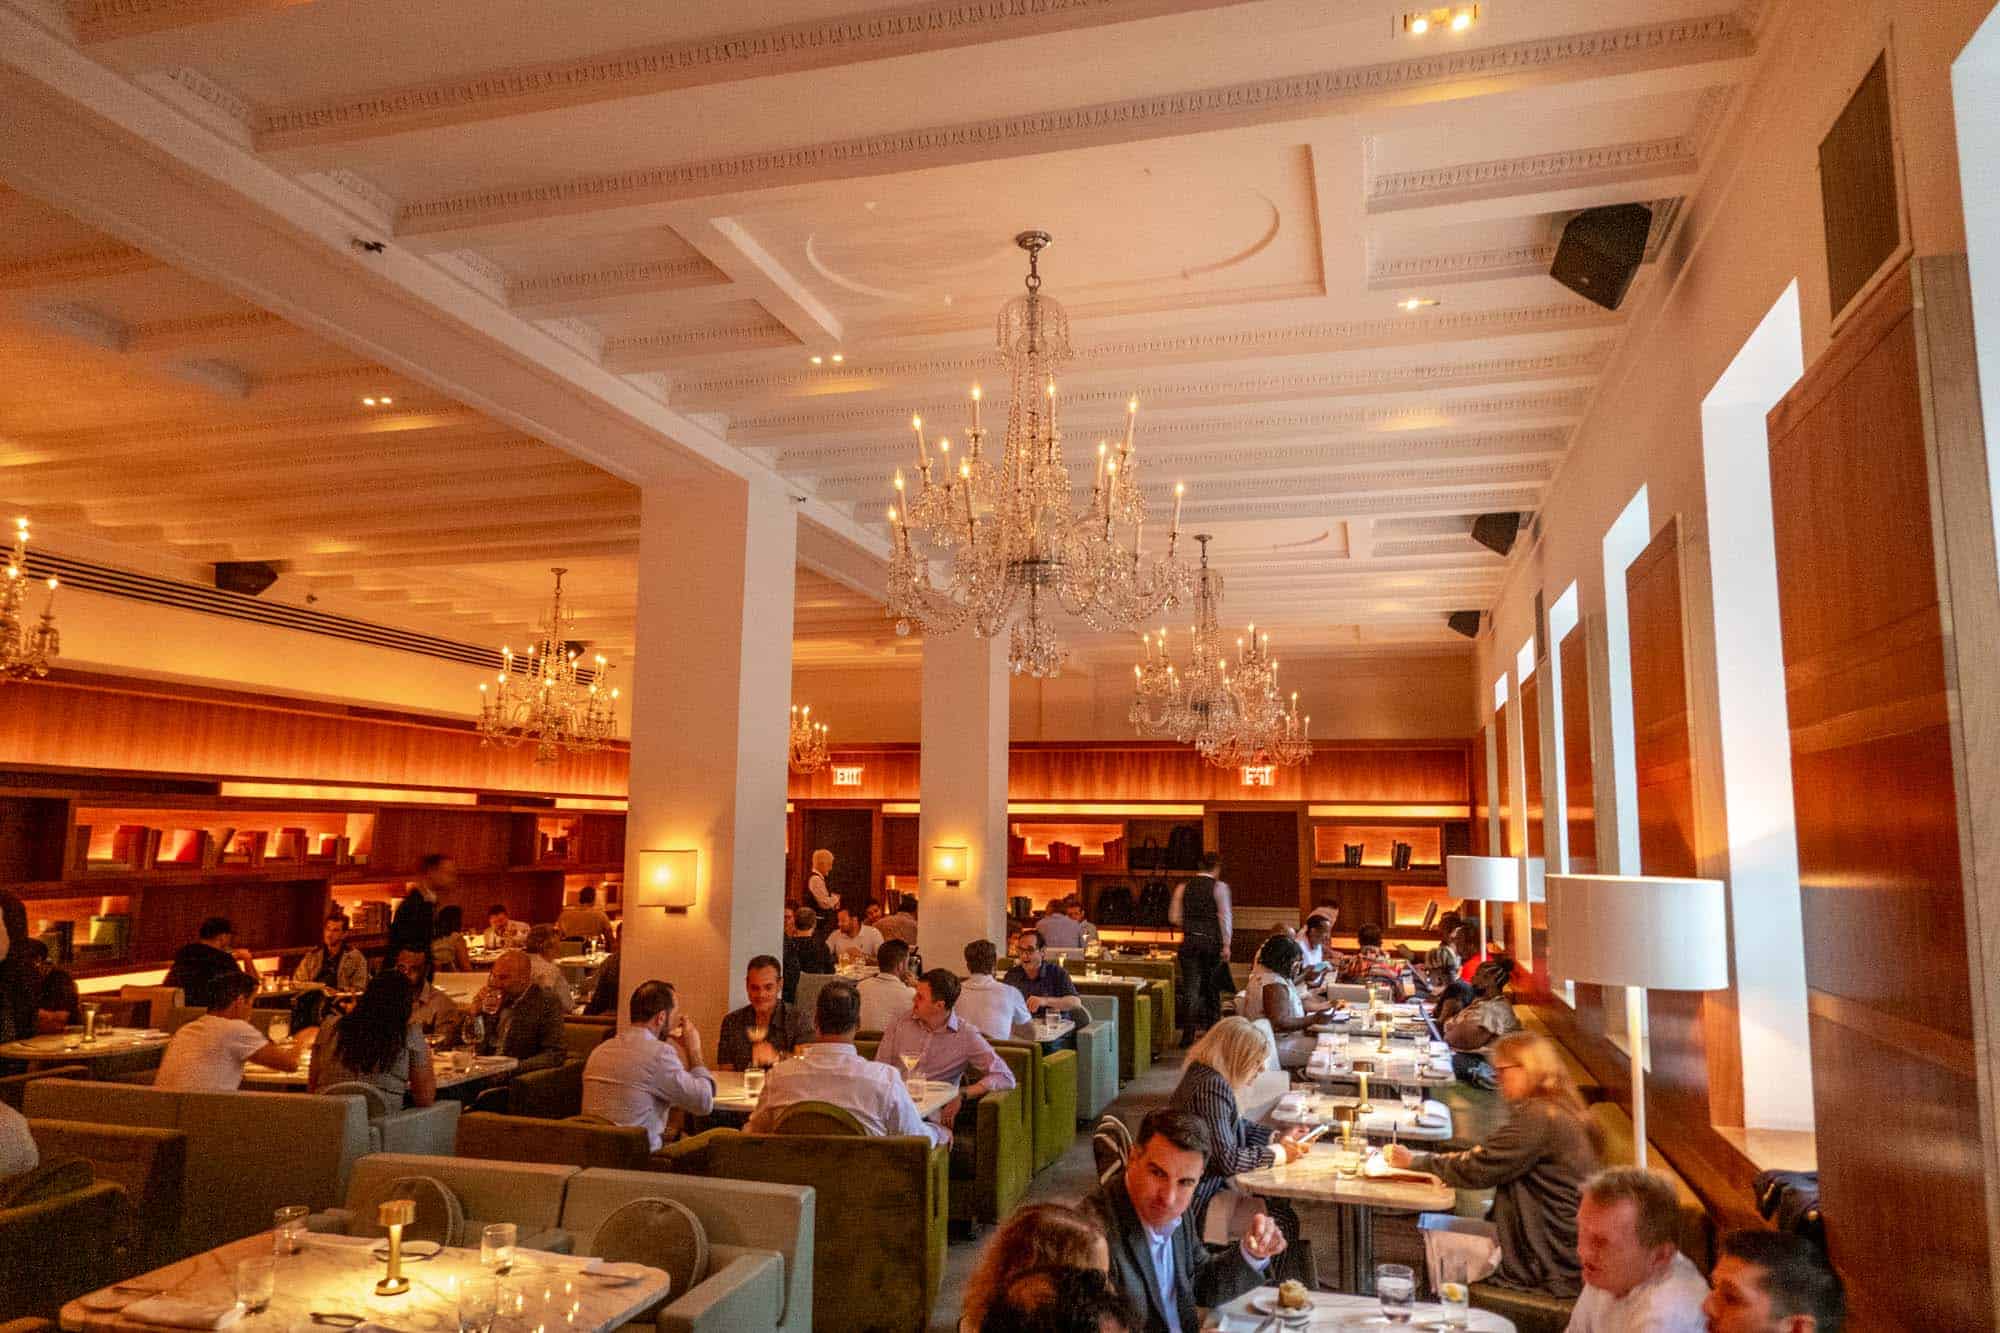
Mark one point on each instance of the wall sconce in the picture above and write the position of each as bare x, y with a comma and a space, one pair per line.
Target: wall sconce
667, 879
948, 864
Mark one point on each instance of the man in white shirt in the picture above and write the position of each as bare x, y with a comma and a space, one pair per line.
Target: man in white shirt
888, 995
650, 1068
986, 1002
1635, 1281
853, 939
831, 1070
502, 933
1313, 946
208, 1054
543, 941
824, 900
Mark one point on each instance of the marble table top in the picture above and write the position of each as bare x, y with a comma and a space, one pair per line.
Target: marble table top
337, 1275
1315, 1179
729, 1094
57, 1047
1333, 1311
259, 1079
1430, 1125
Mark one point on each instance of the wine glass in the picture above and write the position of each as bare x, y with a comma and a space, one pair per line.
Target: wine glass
281, 1028
1413, 1101
1396, 1288
910, 1067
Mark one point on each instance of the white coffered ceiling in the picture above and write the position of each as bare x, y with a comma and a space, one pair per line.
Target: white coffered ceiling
622, 232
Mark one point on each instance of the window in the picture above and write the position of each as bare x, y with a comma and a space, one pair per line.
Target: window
1626, 538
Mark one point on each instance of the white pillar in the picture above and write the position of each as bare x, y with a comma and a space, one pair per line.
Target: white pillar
964, 791
711, 682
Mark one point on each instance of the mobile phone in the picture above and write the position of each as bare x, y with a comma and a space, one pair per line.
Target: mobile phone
1313, 1133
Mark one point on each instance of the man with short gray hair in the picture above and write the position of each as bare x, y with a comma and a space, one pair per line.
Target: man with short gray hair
1635, 1280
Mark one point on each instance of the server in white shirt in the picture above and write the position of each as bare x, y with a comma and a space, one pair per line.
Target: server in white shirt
823, 899
888, 995
651, 1068
853, 939
831, 1070
208, 1054
989, 1004
1634, 1279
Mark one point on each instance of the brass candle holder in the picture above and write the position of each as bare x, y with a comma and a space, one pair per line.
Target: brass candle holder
1382, 1046
395, 1214
1363, 1107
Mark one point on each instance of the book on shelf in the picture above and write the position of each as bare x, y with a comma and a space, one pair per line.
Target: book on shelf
217, 846
248, 848
331, 848
288, 844
185, 847
133, 847
82, 849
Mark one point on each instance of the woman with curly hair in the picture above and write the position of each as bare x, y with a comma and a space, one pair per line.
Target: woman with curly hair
1034, 1236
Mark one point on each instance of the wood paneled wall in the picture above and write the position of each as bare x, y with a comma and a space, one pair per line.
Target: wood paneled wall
76, 720
1697, 1073
1482, 798
1405, 772
1531, 760
1579, 792
1504, 794
1902, 1135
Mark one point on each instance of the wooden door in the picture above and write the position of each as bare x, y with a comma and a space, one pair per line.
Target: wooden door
1260, 856
850, 835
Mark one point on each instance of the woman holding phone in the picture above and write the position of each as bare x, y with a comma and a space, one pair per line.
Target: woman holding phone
1219, 1070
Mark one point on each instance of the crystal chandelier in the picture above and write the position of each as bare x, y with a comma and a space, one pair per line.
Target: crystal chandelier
547, 697
807, 751
1197, 705
25, 651
1232, 715
1019, 547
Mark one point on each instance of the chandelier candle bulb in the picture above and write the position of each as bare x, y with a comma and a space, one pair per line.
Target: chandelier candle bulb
975, 407
1131, 417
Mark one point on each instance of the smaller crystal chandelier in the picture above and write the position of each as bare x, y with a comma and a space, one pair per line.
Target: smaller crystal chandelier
547, 697
25, 651
808, 741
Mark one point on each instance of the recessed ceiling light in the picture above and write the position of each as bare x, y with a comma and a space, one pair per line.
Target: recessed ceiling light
838, 358
1420, 24
1461, 20
819, 360
1413, 303
1423, 22
377, 401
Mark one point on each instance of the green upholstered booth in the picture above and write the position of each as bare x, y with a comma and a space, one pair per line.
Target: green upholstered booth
1165, 974
878, 1202
150, 1165
1096, 1057
59, 1234
520, 1138
1051, 1089
989, 1176
1135, 1022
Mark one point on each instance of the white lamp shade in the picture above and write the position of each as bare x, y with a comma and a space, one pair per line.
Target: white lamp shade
667, 878
1639, 930
1486, 879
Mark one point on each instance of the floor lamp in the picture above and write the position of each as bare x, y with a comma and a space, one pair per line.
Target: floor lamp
1483, 879
1647, 931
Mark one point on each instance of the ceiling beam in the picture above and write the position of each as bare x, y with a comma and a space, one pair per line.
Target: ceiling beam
630, 199
109, 20
74, 266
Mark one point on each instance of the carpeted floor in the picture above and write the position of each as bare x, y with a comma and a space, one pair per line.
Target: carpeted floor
1070, 1177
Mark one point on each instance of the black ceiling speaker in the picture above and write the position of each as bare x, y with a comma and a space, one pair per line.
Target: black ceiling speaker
248, 577
1601, 249
1496, 531
1464, 622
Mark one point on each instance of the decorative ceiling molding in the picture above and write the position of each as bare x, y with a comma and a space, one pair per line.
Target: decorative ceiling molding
581, 334
305, 425
108, 20
112, 261
1361, 506
206, 330
205, 100
1539, 173
1391, 550
756, 54
649, 351
85, 324
1481, 71
218, 376
552, 293
1359, 382
1514, 261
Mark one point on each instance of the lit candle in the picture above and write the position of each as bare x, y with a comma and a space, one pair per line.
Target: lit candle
965, 475
1131, 415
1180, 489
975, 407
923, 453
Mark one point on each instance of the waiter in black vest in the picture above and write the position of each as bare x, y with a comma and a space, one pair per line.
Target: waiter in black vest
1201, 909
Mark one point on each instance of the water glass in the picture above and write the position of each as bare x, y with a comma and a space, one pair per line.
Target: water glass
496, 1247
1347, 1156
753, 1083
1413, 1100
1454, 1292
90, 1012
478, 1304
281, 1028
1396, 1288
255, 1280
288, 1229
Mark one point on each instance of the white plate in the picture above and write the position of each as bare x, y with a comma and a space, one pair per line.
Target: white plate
113, 1298
414, 1250
1266, 1303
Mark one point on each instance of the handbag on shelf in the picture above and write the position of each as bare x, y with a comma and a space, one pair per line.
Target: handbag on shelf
1350, 853
1183, 848
1148, 855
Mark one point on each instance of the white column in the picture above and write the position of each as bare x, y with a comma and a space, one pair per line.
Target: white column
711, 682
964, 792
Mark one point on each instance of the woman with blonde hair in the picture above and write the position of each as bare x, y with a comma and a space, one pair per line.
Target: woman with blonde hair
1034, 1236
1535, 1164
1219, 1070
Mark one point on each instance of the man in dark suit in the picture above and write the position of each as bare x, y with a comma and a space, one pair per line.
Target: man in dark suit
516, 1017
1160, 1265
417, 913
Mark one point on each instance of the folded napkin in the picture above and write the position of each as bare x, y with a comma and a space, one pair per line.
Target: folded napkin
174, 1312
561, 1263
333, 1240
1377, 1169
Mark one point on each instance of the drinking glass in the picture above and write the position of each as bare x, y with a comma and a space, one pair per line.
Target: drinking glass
255, 1279
1347, 1156
496, 1247
478, 1304
753, 1083
1454, 1292
72, 1040
90, 1011
1396, 1288
910, 1072
1413, 1100
288, 1229
281, 1028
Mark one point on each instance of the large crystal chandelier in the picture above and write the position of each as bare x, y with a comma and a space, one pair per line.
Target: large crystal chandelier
548, 697
1232, 713
24, 650
807, 751
1019, 547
